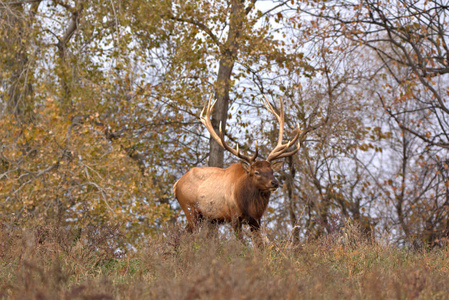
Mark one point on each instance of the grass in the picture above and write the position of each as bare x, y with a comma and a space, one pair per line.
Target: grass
52, 263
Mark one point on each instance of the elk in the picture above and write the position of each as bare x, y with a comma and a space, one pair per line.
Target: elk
238, 194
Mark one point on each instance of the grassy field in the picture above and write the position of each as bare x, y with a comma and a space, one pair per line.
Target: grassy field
50, 263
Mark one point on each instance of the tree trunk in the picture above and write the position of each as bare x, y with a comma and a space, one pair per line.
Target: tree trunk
229, 52
291, 199
65, 76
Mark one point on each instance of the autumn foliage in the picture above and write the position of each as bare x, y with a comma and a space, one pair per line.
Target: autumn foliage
99, 106
99, 117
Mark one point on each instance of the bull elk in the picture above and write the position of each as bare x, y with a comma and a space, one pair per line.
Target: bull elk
238, 194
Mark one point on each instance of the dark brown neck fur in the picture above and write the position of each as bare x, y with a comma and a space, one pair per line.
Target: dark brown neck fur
252, 201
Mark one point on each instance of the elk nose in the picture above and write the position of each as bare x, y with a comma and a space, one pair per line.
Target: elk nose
275, 184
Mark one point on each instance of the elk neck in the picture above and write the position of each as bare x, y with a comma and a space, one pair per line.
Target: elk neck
252, 201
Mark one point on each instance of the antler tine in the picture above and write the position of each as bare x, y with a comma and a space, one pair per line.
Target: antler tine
220, 139
236, 151
279, 150
253, 158
279, 118
287, 154
206, 120
209, 109
270, 108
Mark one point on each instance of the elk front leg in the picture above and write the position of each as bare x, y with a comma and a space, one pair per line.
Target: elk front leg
255, 231
237, 225
212, 228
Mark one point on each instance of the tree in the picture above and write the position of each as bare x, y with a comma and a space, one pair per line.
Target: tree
63, 157
228, 36
115, 93
15, 35
410, 41
100, 103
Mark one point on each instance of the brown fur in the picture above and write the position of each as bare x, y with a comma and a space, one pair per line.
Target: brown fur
238, 194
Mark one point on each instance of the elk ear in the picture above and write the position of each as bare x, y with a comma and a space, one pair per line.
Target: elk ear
246, 166
277, 165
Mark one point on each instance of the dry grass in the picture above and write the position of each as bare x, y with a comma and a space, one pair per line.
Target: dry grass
51, 263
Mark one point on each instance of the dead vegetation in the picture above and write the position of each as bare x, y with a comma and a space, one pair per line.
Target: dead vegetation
55, 263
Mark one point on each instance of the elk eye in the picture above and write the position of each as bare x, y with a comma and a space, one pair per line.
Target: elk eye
256, 173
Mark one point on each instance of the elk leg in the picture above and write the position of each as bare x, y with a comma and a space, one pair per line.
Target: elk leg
255, 230
212, 228
237, 225
193, 217
189, 228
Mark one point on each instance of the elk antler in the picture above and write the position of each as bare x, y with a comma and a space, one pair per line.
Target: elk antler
279, 150
220, 139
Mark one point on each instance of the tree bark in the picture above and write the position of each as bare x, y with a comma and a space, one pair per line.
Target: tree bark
291, 199
62, 49
229, 52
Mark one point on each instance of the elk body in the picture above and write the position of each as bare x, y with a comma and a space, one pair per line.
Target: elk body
238, 194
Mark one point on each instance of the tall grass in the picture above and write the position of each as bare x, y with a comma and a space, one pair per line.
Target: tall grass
52, 263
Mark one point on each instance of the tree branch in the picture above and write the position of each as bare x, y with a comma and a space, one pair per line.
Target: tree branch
201, 26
